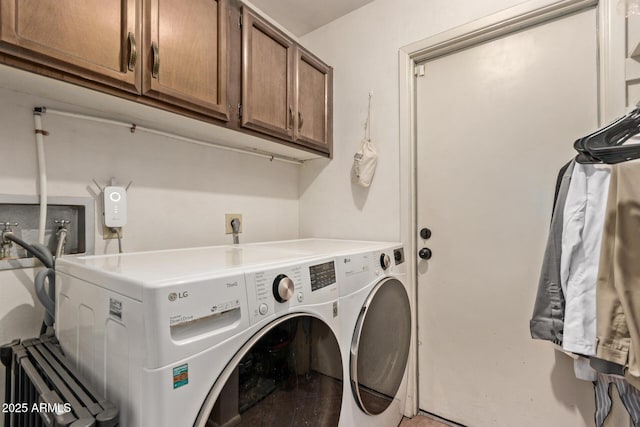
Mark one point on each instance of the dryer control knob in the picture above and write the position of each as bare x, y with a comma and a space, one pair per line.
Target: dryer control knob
385, 261
283, 288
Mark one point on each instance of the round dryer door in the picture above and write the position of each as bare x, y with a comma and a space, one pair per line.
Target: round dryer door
288, 374
380, 346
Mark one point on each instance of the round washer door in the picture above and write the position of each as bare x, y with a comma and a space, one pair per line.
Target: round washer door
288, 374
380, 346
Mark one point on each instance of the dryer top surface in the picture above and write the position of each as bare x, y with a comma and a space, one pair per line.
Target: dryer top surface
327, 247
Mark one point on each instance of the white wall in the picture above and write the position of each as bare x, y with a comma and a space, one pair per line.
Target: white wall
181, 192
179, 195
363, 49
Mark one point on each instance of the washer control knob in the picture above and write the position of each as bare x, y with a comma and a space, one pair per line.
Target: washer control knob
283, 288
385, 261
263, 309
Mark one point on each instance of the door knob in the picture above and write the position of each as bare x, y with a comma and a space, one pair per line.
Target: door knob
425, 253
425, 233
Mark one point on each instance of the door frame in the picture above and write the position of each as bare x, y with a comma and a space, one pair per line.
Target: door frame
611, 104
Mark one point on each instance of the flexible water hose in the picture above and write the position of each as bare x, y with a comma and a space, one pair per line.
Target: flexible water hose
42, 173
47, 299
62, 239
50, 315
37, 252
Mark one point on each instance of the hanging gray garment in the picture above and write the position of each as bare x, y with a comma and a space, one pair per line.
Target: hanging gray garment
548, 313
629, 395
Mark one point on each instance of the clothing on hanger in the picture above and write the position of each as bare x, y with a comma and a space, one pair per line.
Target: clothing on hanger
618, 307
548, 312
588, 297
583, 221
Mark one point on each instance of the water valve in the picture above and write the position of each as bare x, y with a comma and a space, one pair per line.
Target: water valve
6, 244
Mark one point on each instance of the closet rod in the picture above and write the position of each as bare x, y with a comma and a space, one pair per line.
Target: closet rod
135, 127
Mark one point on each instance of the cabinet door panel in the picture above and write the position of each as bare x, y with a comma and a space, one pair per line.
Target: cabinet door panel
313, 95
92, 39
266, 78
186, 54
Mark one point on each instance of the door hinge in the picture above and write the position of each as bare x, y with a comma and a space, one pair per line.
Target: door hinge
240, 21
239, 110
418, 70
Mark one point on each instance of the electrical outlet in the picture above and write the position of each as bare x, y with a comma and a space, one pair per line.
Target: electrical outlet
227, 222
108, 235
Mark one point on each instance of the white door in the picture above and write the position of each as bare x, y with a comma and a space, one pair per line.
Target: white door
495, 123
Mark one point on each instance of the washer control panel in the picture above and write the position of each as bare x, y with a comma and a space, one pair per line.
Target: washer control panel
322, 275
279, 289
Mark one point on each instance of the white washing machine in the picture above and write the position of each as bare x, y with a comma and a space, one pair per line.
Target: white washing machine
218, 336
375, 319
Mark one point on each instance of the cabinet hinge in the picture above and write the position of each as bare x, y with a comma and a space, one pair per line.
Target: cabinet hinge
240, 21
418, 70
239, 110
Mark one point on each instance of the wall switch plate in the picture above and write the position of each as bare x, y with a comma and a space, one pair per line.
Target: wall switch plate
227, 222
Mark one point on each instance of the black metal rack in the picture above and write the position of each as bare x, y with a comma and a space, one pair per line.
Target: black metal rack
43, 389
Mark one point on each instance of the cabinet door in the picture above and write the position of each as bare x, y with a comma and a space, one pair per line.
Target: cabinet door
314, 101
267, 61
185, 59
92, 39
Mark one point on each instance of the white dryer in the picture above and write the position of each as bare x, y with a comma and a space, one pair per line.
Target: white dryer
375, 321
215, 336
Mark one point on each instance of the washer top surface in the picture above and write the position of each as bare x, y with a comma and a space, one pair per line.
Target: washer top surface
130, 272
325, 246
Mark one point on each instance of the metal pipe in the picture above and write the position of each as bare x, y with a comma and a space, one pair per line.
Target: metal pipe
135, 127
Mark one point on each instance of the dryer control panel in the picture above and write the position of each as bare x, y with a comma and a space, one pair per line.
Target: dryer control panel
358, 270
282, 288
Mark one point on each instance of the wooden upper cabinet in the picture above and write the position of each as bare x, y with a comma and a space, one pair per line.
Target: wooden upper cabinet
92, 39
286, 91
185, 54
181, 56
267, 76
314, 101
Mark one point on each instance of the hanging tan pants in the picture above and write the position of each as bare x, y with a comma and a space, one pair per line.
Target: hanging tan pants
618, 286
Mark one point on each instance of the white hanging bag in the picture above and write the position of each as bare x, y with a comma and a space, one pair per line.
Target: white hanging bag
366, 158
